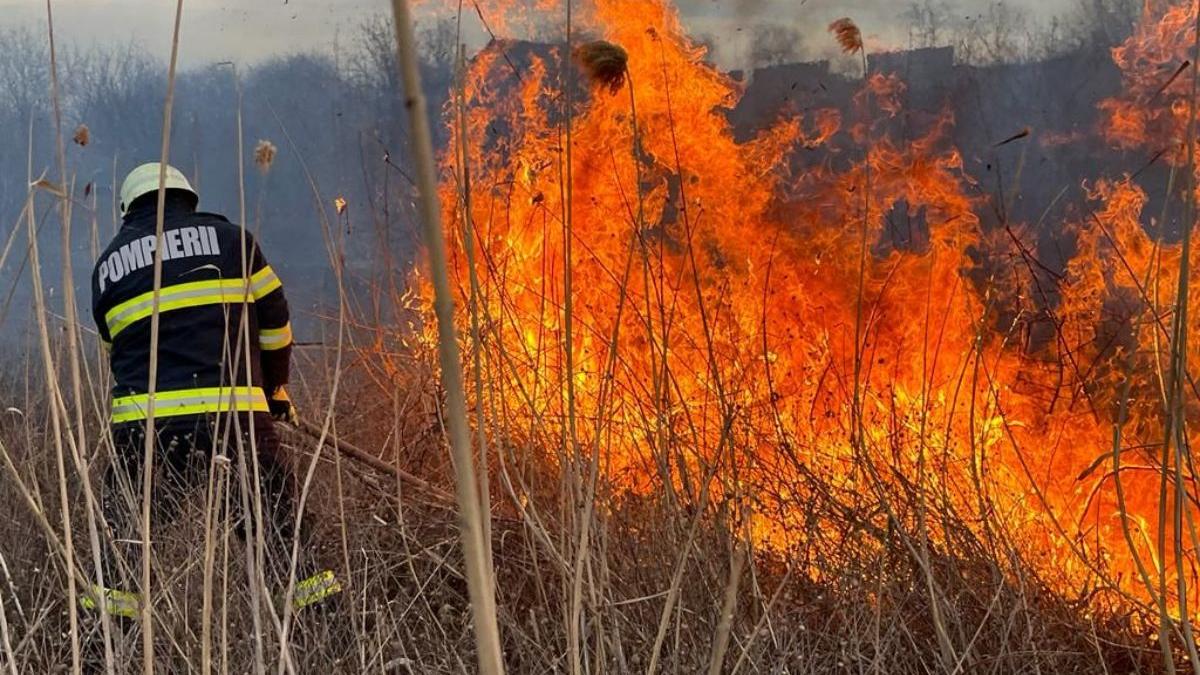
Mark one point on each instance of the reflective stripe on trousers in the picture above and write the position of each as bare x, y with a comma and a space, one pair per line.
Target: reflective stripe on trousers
190, 402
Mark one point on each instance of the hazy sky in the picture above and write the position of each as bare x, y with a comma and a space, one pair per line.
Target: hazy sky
249, 30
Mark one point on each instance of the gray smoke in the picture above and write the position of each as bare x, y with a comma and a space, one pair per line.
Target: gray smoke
748, 8
772, 44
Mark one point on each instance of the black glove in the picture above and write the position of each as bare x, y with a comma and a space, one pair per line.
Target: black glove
281, 407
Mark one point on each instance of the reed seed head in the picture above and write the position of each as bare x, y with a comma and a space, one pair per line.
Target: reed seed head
604, 63
846, 32
264, 155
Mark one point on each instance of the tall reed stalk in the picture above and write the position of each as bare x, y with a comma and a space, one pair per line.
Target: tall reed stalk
147, 608
247, 445
479, 574
1176, 432
49, 372
6, 639
76, 441
1148, 304
326, 432
476, 298
574, 461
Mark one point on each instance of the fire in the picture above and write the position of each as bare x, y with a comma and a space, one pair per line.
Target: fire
818, 303
1156, 67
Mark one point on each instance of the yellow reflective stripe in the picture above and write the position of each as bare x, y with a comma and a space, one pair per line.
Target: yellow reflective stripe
315, 589
270, 339
115, 602
178, 296
263, 282
190, 402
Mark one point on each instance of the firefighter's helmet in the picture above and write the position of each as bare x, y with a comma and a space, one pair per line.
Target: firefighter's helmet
144, 180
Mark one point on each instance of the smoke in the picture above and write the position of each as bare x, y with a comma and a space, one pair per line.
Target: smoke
749, 7
773, 44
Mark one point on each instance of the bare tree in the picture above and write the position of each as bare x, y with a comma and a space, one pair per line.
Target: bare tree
998, 35
1108, 21
108, 88
928, 23
1002, 33
373, 64
24, 77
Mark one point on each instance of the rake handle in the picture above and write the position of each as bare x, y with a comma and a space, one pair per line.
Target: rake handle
357, 454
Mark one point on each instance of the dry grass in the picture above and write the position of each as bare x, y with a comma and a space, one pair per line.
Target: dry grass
859, 606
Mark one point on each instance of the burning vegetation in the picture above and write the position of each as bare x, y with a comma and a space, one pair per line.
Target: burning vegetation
669, 309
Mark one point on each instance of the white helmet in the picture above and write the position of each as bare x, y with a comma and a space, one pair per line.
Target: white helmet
144, 180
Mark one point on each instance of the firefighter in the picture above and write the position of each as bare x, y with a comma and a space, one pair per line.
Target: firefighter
224, 346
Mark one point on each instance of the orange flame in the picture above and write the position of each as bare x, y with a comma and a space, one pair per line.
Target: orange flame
716, 294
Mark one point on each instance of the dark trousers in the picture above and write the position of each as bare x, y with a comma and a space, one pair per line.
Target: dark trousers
183, 460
